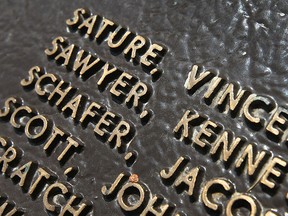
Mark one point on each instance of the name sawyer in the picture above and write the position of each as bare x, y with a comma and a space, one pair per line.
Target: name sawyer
125, 87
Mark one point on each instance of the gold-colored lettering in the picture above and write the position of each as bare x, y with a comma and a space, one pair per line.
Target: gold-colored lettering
222, 185
73, 105
279, 119
150, 57
135, 45
206, 135
214, 86
44, 80
52, 191
104, 122
111, 39
56, 43
78, 17
88, 24
239, 198
22, 173
3, 208
182, 128
20, 112
10, 104
121, 86
248, 155
256, 102
85, 64
169, 173
60, 92
119, 133
150, 208
64, 57
90, 112
115, 186
271, 213
272, 171
34, 74
56, 135
106, 25
228, 145
72, 147
188, 178
9, 156
127, 190
231, 99
38, 121
110, 73
71, 209
40, 182
193, 83
137, 93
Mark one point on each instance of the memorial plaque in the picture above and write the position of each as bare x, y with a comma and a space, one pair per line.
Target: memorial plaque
143, 107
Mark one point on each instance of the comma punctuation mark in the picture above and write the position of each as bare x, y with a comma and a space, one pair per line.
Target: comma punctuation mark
71, 172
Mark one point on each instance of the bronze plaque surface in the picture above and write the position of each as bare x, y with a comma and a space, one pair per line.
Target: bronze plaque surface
143, 107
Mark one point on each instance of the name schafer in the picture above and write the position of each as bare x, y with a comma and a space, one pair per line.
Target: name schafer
107, 125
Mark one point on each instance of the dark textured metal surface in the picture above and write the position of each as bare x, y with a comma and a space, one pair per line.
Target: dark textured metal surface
245, 41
